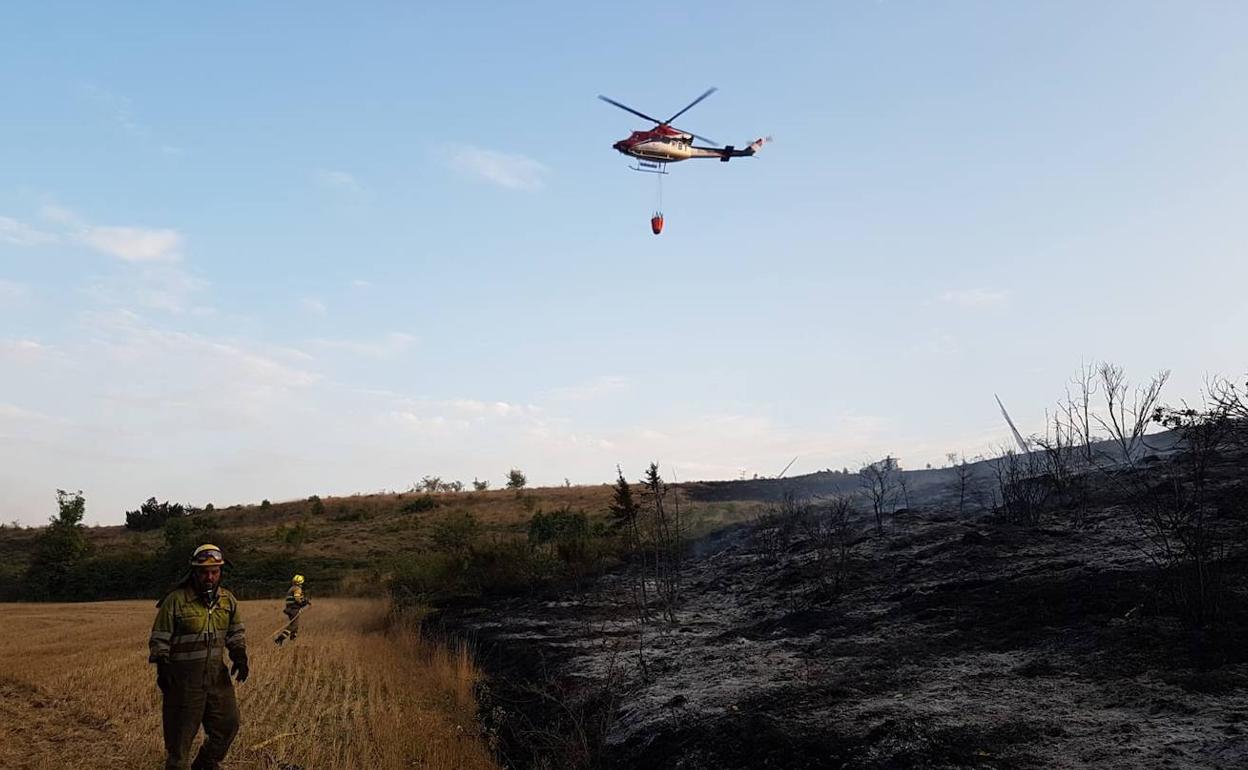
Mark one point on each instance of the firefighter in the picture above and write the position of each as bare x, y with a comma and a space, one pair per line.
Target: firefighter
295, 602
195, 622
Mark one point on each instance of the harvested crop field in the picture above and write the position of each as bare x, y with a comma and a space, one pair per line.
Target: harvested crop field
76, 691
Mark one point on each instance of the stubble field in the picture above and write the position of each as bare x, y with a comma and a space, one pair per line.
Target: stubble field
76, 691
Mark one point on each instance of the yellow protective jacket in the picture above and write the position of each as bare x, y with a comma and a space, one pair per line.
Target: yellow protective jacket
189, 633
295, 601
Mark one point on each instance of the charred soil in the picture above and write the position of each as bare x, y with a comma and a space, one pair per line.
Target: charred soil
956, 643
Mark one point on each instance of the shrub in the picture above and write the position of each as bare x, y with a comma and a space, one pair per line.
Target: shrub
153, 515
456, 532
558, 526
294, 536
419, 504
566, 529
493, 568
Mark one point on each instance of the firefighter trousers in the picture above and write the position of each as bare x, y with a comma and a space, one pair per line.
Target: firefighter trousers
292, 629
206, 700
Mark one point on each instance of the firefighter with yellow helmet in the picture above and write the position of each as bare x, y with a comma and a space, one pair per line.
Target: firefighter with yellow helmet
196, 622
296, 600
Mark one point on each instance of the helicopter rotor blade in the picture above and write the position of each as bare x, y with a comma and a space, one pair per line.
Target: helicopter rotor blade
704, 139
707, 93
626, 108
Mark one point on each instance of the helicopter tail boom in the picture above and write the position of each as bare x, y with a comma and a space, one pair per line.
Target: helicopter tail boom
730, 152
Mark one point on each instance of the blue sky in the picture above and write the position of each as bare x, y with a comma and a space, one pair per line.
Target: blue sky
272, 250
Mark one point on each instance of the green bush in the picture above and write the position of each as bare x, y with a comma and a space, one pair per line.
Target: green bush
489, 568
558, 526
567, 530
463, 564
153, 515
293, 536
457, 532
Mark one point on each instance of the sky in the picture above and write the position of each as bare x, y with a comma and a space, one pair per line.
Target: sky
270, 250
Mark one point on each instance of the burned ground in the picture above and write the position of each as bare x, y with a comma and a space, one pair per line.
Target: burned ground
959, 643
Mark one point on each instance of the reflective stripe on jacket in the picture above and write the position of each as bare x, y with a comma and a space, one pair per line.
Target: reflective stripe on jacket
187, 630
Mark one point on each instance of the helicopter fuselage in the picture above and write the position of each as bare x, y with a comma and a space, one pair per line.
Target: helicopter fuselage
664, 146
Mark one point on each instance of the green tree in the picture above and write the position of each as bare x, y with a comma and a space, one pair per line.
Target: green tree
623, 509
516, 479
59, 548
153, 515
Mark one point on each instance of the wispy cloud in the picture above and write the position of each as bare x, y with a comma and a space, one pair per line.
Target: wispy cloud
192, 383
939, 344
596, 388
167, 287
19, 233
360, 283
126, 242
14, 413
28, 353
119, 111
976, 298
135, 244
509, 170
495, 408
337, 180
465, 417
387, 346
22, 347
314, 305
60, 215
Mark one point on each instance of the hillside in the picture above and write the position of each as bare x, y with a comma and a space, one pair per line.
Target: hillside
347, 545
342, 544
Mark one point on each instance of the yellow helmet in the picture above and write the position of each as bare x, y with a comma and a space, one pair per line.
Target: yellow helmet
207, 555
297, 580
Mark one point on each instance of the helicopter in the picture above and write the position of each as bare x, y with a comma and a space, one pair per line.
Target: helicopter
664, 143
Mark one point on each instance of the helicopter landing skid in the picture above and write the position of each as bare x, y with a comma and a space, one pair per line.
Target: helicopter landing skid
646, 167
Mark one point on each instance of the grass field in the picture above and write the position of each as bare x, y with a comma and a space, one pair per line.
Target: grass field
76, 691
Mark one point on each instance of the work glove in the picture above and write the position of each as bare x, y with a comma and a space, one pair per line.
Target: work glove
240, 669
162, 674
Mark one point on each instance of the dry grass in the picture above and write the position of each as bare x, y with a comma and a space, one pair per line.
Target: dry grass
359, 527
355, 536
76, 691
